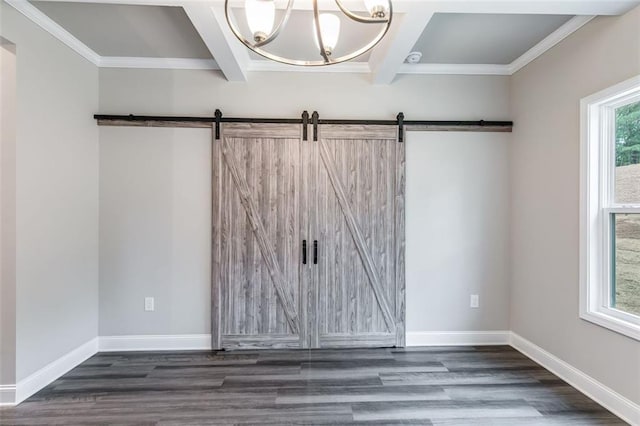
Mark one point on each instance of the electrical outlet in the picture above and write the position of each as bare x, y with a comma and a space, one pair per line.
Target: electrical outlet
475, 301
149, 304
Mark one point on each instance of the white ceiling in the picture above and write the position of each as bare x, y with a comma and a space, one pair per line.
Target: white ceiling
455, 36
465, 38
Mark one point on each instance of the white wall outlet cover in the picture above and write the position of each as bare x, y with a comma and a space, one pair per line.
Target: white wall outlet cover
475, 301
149, 304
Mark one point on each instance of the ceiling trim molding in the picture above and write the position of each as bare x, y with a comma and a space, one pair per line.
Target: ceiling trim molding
157, 63
568, 28
50, 26
257, 65
455, 69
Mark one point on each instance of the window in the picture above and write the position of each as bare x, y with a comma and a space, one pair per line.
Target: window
610, 208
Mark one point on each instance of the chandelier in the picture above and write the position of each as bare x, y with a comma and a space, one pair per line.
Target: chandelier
260, 18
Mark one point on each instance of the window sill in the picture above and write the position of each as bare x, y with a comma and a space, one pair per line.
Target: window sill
612, 323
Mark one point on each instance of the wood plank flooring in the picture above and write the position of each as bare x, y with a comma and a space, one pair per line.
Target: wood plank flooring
491, 385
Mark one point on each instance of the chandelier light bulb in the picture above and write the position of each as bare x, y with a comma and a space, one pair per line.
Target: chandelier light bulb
264, 27
261, 16
330, 30
377, 8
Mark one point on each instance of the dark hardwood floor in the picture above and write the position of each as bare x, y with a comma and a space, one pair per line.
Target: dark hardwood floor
437, 385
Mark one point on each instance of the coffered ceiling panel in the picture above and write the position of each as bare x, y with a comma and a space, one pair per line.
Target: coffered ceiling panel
463, 38
129, 30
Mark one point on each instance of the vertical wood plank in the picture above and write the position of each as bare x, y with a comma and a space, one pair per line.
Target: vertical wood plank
253, 250
350, 288
216, 238
241, 279
303, 219
314, 228
274, 224
387, 242
400, 244
378, 232
328, 250
225, 274
267, 290
348, 277
366, 200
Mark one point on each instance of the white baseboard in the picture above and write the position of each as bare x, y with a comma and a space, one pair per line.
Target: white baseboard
457, 338
184, 342
7, 395
619, 405
50, 372
181, 342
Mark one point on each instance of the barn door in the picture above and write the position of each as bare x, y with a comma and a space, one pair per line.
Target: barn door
256, 237
341, 197
359, 224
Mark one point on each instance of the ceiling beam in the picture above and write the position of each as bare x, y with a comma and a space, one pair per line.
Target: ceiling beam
230, 55
389, 55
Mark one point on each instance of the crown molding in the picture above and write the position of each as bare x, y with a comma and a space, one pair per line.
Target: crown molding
568, 28
258, 65
50, 26
455, 69
157, 63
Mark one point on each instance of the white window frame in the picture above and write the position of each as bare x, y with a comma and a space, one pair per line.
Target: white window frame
597, 204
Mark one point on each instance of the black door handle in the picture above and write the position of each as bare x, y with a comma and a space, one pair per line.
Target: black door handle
304, 252
315, 252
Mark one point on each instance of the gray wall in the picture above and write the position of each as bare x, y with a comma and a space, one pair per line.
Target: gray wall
7, 215
457, 231
154, 202
155, 230
545, 161
56, 198
288, 94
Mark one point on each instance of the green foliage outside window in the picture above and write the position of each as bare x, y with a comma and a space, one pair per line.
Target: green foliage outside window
628, 135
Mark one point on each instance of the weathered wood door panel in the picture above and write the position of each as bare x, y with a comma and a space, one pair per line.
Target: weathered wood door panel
358, 221
256, 237
272, 191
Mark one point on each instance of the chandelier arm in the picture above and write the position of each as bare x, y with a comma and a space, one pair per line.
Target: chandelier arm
364, 19
344, 58
276, 31
316, 18
326, 60
233, 27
